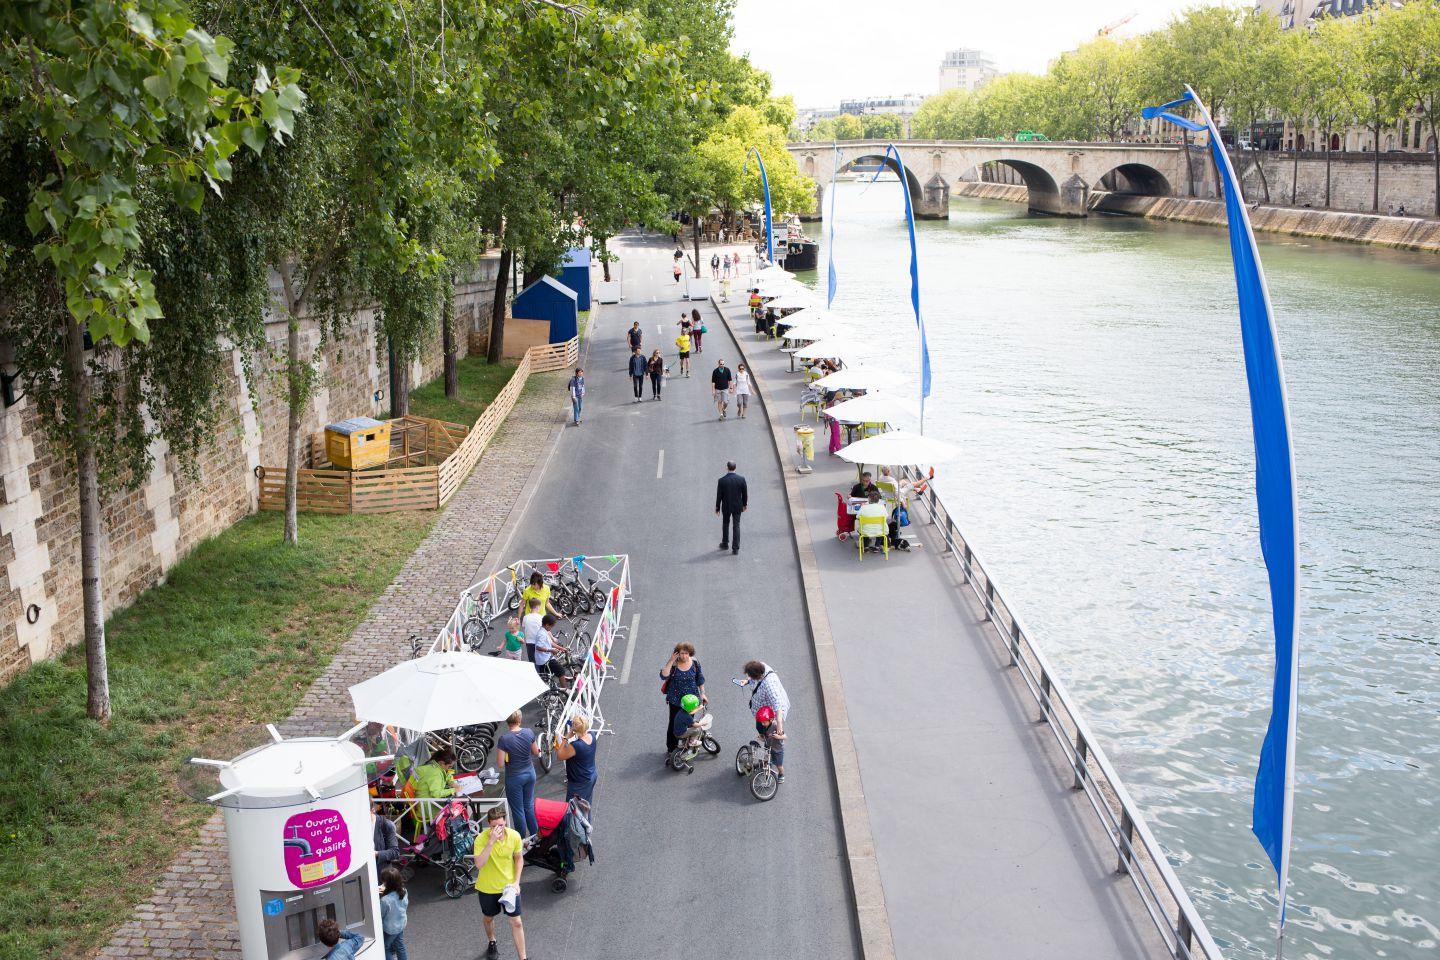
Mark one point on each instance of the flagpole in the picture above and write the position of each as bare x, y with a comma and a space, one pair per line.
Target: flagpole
765, 183
830, 290
1277, 507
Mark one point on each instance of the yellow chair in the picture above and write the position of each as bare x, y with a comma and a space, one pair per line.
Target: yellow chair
808, 406
889, 490
811, 374
871, 429
873, 528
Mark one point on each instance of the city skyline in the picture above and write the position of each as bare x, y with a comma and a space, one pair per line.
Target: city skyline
816, 54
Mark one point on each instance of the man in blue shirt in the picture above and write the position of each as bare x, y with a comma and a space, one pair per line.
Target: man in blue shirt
343, 944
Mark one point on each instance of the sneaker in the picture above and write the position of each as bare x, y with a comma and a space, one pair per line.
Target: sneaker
780, 778
724, 546
492, 952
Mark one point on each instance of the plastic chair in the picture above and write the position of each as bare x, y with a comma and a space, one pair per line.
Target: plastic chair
811, 374
873, 528
871, 429
808, 406
889, 490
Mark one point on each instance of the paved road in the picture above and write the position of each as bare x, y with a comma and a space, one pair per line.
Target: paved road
687, 866
983, 848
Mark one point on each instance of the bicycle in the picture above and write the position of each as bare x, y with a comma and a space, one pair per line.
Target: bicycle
753, 760
573, 638
552, 709
586, 595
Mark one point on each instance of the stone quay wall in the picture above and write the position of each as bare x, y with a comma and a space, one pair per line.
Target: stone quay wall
1406, 233
150, 528
1406, 180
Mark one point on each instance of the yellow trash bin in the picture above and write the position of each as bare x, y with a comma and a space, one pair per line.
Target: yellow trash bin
806, 437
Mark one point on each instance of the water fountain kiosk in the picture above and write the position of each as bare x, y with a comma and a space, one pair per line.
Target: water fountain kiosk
297, 816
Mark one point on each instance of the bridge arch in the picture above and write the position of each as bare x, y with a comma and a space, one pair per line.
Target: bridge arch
1136, 179
1065, 198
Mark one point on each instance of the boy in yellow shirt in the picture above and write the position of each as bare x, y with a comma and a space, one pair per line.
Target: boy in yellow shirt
498, 864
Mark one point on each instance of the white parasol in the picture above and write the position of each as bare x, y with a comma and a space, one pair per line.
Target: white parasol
860, 378
873, 408
443, 690
793, 301
899, 447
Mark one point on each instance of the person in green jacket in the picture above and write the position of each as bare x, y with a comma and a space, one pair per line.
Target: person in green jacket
434, 780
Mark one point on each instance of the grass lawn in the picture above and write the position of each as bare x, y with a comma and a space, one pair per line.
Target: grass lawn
479, 383
90, 817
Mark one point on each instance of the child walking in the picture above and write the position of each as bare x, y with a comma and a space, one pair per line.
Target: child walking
394, 909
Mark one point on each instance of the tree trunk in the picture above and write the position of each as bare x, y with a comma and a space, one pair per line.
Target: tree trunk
1260, 169
1189, 166
87, 471
447, 332
604, 247
1327, 166
400, 390
1435, 136
695, 231
496, 350
1375, 185
292, 433
1294, 164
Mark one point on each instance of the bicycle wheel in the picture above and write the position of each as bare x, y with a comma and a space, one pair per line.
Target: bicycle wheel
564, 603
459, 880
474, 632
547, 751
743, 760
513, 602
597, 599
764, 786
711, 745
472, 755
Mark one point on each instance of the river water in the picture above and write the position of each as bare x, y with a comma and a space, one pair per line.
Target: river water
1091, 371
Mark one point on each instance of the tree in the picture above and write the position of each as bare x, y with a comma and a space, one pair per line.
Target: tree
1370, 80
883, 126
944, 117
1260, 81
1097, 85
1413, 42
846, 126
104, 104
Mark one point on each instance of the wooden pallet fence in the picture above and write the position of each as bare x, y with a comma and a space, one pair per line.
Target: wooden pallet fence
413, 488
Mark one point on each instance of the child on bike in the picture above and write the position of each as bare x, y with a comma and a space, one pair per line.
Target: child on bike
767, 724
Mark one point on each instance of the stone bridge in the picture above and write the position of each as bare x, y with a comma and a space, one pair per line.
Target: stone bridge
1059, 176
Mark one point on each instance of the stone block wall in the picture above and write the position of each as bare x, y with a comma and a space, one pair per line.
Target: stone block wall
148, 529
1407, 183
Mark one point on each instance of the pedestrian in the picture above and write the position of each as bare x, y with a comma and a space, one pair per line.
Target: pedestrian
514, 646
682, 343
387, 838
715, 266
732, 498
518, 750
578, 752
676, 270
681, 675
720, 387
687, 326
638, 366
635, 335
742, 390
498, 864
394, 913
343, 944
725, 264
767, 691
540, 590
657, 373
697, 331
576, 386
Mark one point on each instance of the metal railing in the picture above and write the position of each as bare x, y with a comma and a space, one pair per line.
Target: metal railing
1140, 856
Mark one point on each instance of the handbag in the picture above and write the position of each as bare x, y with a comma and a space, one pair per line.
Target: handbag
902, 516
704, 329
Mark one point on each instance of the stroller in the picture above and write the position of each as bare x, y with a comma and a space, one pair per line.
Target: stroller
564, 832
697, 737
844, 523
448, 845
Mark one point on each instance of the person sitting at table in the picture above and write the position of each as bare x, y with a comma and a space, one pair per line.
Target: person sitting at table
865, 487
875, 508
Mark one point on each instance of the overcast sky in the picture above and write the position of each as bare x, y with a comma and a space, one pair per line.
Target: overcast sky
823, 51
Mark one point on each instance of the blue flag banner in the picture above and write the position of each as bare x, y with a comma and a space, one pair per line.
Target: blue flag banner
830, 290
1273, 812
890, 152
764, 182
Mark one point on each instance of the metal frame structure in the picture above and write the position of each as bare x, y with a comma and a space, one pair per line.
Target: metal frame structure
1168, 905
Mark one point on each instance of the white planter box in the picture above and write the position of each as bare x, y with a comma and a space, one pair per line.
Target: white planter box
697, 288
610, 292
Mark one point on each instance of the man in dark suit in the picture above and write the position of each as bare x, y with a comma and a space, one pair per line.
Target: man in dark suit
732, 498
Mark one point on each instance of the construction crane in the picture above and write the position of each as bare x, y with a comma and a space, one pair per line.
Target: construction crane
1114, 25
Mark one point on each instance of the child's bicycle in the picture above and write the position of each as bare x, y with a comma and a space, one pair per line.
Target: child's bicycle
753, 760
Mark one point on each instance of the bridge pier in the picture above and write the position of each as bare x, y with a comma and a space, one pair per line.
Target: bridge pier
1070, 200
934, 200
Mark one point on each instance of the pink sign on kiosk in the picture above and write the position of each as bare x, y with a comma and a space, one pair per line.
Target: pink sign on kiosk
317, 847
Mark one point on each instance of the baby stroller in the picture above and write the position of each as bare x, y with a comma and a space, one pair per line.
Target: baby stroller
564, 832
448, 845
696, 738
844, 523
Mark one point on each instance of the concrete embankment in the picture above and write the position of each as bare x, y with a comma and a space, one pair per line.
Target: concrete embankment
1406, 233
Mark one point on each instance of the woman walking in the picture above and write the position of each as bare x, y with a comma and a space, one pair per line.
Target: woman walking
742, 389
657, 373
518, 750
579, 755
676, 270
394, 913
681, 675
697, 330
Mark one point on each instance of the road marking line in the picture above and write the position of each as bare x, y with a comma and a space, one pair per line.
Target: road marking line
630, 650
660, 467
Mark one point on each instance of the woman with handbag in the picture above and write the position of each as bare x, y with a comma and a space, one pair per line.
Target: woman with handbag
680, 675
697, 330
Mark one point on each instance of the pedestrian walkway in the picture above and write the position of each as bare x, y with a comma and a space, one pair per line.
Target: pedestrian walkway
192, 911
983, 849
686, 866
